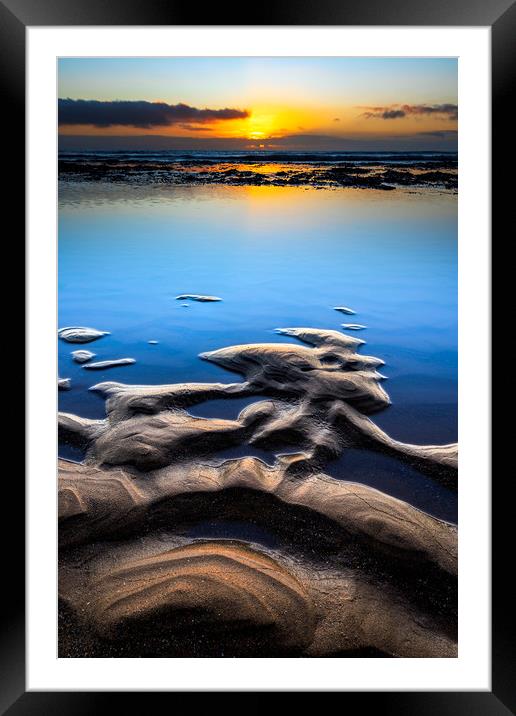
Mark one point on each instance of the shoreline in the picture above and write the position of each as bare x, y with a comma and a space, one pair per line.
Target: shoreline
254, 170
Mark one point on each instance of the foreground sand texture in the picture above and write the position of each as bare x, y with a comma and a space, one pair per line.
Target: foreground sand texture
326, 567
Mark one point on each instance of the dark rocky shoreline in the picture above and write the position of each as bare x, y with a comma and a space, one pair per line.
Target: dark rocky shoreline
440, 172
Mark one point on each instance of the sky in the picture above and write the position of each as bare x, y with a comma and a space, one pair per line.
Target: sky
303, 103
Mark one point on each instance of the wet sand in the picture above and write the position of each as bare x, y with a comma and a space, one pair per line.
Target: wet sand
351, 568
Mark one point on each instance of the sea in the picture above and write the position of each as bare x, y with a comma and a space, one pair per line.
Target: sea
282, 238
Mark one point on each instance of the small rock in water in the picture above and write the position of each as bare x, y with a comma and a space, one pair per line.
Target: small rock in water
353, 326
82, 356
185, 305
80, 334
197, 297
109, 363
152, 343
344, 309
64, 383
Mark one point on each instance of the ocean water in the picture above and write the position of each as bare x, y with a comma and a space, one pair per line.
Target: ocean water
143, 157
278, 257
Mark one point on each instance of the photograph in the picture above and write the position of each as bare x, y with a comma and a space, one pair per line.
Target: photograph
257, 354
258, 253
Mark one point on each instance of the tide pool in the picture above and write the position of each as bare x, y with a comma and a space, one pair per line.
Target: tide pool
277, 257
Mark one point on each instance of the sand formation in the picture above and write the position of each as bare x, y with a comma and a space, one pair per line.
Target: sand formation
102, 364
82, 356
197, 297
321, 566
80, 334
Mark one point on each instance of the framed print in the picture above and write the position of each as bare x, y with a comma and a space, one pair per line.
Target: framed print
258, 322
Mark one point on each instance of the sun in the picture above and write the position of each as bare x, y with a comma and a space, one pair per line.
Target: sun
260, 126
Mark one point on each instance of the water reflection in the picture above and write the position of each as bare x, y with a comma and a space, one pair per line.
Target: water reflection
278, 257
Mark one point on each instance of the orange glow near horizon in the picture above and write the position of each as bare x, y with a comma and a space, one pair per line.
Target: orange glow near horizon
265, 122
272, 122
314, 101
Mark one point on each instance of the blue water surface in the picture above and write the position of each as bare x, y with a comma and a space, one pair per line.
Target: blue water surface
278, 257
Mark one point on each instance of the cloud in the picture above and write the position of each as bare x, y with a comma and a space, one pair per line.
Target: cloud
397, 111
141, 114
196, 128
393, 113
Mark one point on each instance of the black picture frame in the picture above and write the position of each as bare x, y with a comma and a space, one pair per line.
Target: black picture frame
15, 17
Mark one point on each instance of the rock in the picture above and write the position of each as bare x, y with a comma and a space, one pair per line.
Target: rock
344, 309
64, 383
153, 343
109, 363
82, 356
197, 297
353, 326
318, 173
79, 334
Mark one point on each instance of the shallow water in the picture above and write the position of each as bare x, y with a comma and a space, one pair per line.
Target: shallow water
278, 257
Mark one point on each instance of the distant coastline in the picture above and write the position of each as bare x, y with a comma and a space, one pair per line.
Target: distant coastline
374, 170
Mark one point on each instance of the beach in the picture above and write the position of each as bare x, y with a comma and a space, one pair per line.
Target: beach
283, 423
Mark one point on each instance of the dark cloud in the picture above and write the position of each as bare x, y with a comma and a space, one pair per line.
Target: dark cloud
141, 114
195, 128
393, 114
384, 113
450, 111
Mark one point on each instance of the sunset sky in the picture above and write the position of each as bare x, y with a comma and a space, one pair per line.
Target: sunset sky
335, 103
